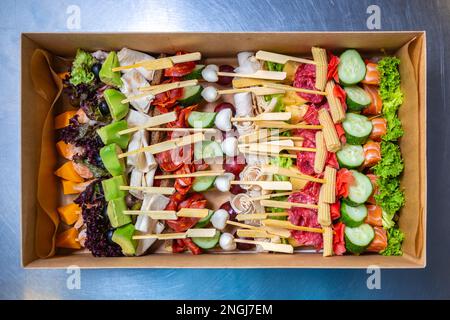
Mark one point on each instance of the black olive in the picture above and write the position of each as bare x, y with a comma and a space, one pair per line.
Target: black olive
105, 213
109, 235
96, 70
103, 107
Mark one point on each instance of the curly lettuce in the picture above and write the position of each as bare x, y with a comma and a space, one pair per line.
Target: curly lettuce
81, 68
395, 239
389, 196
282, 163
391, 163
273, 66
391, 96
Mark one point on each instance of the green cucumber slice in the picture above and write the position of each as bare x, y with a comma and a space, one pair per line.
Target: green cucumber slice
191, 95
350, 156
204, 221
207, 150
351, 68
353, 216
357, 98
110, 133
203, 183
207, 243
196, 73
357, 239
357, 128
201, 119
360, 190
111, 161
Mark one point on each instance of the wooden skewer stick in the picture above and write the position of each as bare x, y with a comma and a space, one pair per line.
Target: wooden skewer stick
275, 231
162, 63
283, 125
153, 122
267, 116
269, 246
207, 173
280, 58
198, 233
289, 172
156, 190
258, 91
247, 233
260, 74
274, 138
272, 195
170, 214
166, 145
287, 205
268, 154
289, 88
260, 216
273, 148
162, 88
288, 225
208, 130
267, 185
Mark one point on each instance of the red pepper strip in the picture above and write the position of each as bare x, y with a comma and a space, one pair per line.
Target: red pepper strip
332, 67
344, 179
180, 69
340, 132
338, 239
178, 246
335, 210
192, 246
183, 185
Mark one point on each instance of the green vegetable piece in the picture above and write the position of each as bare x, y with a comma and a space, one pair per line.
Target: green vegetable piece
207, 243
196, 73
109, 155
198, 119
203, 222
391, 163
123, 236
115, 212
114, 99
395, 239
389, 196
111, 188
282, 163
110, 133
191, 95
202, 184
81, 68
106, 74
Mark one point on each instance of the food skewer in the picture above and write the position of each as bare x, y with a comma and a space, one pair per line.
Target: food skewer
156, 190
280, 58
206, 173
211, 94
273, 148
290, 88
289, 173
211, 73
267, 116
267, 185
166, 145
206, 130
283, 125
275, 231
190, 233
161, 88
269, 246
162, 63
287, 225
154, 121
268, 154
272, 195
287, 205
260, 216
170, 214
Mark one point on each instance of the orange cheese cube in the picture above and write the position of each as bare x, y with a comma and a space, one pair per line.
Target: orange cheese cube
71, 187
68, 239
70, 213
67, 172
62, 120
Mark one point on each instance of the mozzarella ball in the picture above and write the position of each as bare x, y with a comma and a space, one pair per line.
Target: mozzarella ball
219, 219
223, 119
230, 146
223, 183
209, 73
210, 94
226, 242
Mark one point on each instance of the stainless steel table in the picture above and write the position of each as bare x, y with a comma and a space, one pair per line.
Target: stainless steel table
237, 15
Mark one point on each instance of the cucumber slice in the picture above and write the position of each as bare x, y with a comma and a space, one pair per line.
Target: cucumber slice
191, 95
207, 243
207, 150
203, 183
201, 119
360, 190
357, 98
351, 68
358, 239
204, 221
357, 128
196, 73
353, 216
350, 156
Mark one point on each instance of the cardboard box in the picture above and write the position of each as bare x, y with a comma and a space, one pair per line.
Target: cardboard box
411, 48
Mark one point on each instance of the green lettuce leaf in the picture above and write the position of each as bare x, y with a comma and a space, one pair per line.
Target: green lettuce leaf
273, 66
81, 68
391, 163
395, 239
283, 163
390, 197
387, 219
